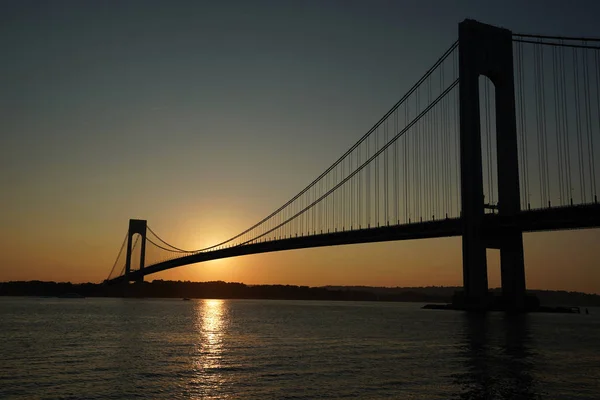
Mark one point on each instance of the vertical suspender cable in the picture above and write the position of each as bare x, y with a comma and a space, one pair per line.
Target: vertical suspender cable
523, 125
448, 164
418, 160
351, 191
405, 169
396, 197
543, 127
438, 156
427, 153
597, 69
376, 162
566, 126
425, 157
538, 121
415, 164
444, 150
359, 190
432, 150
456, 126
588, 114
557, 126
488, 135
368, 192
436, 137
343, 199
386, 175
578, 125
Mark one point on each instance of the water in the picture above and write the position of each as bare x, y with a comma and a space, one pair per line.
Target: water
237, 349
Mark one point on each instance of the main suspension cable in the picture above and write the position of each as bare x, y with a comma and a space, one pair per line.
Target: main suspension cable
118, 256
572, 45
170, 245
362, 139
365, 164
163, 248
585, 39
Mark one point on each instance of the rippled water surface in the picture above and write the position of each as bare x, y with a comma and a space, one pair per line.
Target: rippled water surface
205, 349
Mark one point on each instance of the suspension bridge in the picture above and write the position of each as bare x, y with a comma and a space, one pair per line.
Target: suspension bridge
496, 139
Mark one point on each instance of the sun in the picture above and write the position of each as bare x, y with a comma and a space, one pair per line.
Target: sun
219, 269
220, 262
214, 270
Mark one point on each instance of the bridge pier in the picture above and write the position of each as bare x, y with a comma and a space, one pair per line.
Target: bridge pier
136, 226
487, 50
512, 271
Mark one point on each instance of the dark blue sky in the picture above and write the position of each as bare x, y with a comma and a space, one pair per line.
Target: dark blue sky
197, 115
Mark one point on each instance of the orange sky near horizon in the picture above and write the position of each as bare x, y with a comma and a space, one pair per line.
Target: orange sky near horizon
554, 261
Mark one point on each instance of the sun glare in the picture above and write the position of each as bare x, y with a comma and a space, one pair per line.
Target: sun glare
209, 314
214, 269
210, 325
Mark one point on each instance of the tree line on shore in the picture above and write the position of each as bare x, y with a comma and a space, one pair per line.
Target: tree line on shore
233, 290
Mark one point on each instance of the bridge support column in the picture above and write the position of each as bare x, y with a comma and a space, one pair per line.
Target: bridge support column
487, 50
473, 248
512, 263
136, 226
512, 271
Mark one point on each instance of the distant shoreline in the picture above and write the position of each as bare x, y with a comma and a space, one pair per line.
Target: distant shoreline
230, 290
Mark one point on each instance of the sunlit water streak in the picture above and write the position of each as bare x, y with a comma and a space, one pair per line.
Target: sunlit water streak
223, 349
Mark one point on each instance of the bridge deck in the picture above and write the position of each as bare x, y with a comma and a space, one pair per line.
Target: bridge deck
560, 218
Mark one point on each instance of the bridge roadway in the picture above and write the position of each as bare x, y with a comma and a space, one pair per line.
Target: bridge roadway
549, 219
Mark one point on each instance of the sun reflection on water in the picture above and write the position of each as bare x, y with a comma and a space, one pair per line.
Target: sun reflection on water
210, 326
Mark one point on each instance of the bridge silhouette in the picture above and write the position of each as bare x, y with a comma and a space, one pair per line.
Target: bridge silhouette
496, 139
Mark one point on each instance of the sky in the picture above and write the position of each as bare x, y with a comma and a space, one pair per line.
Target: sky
203, 117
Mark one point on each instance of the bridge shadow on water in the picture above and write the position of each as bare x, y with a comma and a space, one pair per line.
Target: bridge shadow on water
497, 358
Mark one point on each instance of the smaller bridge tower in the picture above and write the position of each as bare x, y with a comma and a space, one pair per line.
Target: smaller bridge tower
136, 226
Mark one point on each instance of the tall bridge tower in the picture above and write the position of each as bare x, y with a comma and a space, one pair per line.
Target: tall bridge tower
487, 50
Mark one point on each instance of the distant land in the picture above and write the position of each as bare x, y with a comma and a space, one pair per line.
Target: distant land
230, 290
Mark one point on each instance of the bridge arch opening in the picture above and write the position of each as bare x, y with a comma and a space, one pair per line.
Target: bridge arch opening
494, 273
136, 251
487, 118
